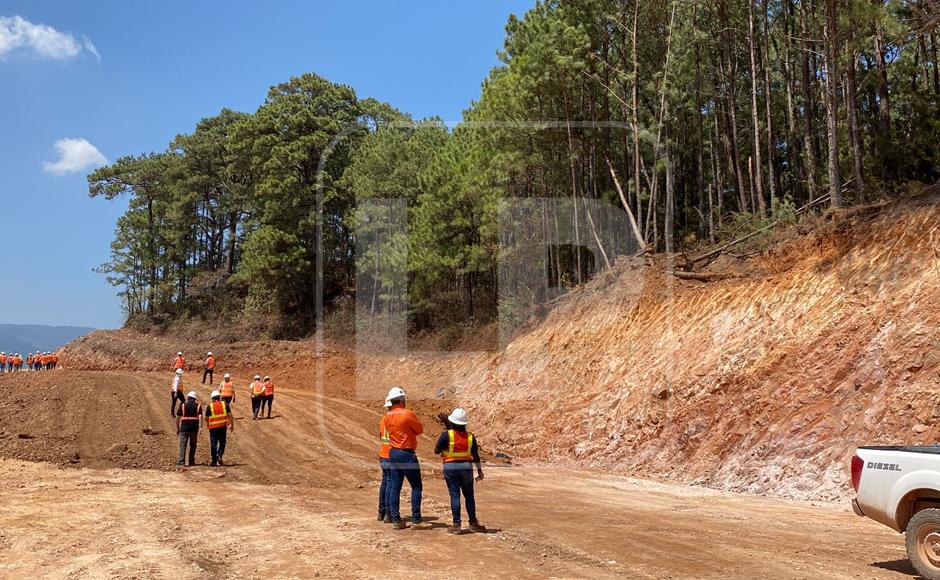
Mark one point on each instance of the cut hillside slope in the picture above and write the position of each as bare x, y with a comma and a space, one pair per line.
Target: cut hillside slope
762, 383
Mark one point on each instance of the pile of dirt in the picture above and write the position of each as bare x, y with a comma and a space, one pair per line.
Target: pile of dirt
764, 382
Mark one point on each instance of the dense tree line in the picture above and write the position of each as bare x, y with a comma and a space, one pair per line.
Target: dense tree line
696, 116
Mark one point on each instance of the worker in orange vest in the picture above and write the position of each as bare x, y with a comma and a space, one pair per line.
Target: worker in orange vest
385, 514
19, 362
210, 368
460, 452
29, 361
403, 428
219, 422
268, 397
256, 390
227, 390
55, 360
180, 362
3, 361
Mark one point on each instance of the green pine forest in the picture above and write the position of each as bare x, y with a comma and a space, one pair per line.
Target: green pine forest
703, 117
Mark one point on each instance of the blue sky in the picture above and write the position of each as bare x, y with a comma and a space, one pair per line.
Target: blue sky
162, 67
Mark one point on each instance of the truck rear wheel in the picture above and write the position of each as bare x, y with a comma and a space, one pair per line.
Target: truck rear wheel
923, 543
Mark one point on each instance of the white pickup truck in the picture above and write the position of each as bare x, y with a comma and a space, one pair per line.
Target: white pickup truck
900, 487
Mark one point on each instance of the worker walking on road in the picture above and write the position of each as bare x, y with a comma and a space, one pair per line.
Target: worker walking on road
403, 430
176, 391
187, 427
219, 422
458, 448
268, 397
227, 390
256, 391
385, 512
180, 362
210, 368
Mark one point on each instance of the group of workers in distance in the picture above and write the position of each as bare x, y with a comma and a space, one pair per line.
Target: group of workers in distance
217, 414
38, 361
398, 432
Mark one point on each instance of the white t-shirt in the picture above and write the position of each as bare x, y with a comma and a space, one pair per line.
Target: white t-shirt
176, 382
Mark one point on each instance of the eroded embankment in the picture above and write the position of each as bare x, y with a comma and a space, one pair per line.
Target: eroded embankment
763, 383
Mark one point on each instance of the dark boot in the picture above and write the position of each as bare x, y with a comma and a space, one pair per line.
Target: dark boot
477, 527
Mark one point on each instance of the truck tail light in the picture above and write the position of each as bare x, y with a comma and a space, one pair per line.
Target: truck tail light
857, 465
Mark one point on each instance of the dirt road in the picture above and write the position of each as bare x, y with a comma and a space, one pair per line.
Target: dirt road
90, 494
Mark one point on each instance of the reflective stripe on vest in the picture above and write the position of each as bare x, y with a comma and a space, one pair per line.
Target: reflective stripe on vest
383, 436
185, 417
457, 450
219, 416
227, 390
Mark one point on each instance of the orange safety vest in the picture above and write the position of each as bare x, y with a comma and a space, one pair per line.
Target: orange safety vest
384, 439
19, 361
210, 363
29, 360
459, 444
227, 389
55, 358
3, 359
256, 388
219, 416
180, 363
268, 388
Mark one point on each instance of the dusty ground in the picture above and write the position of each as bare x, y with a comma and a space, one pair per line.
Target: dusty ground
298, 500
763, 383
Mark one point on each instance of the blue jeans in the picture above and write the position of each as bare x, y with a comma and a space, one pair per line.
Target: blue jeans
217, 437
384, 486
404, 465
459, 478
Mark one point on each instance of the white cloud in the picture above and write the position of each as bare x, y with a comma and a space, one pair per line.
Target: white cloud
41, 39
74, 155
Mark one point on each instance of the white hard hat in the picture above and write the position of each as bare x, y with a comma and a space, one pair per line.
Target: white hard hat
210, 353
192, 394
180, 353
459, 417
179, 371
227, 376
267, 378
395, 393
257, 377
215, 394
388, 402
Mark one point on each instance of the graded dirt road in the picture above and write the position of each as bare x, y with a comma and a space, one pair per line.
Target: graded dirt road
89, 493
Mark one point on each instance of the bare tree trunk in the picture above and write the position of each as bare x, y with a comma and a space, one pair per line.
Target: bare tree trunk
832, 78
936, 63
809, 154
635, 97
792, 137
851, 103
771, 171
669, 226
699, 140
574, 189
232, 234
758, 184
884, 103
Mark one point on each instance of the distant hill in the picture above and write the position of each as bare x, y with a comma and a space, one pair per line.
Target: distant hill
26, 338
